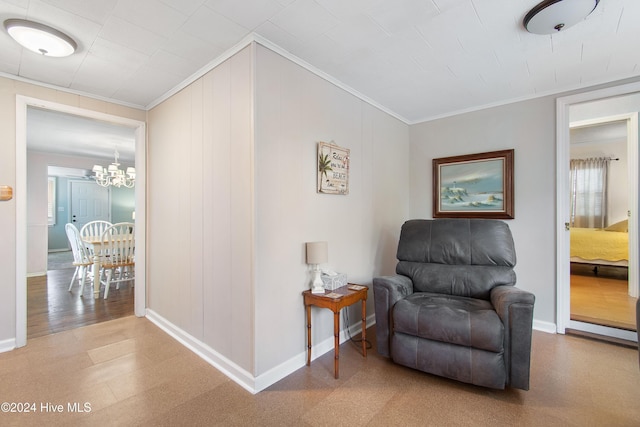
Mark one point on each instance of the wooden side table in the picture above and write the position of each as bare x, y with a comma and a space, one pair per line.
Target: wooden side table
336, 300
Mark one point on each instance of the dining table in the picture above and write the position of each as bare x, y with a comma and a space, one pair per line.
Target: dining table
95, 244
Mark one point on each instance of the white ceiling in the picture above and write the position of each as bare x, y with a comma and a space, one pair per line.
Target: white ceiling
61, 133
418, 59
601, 133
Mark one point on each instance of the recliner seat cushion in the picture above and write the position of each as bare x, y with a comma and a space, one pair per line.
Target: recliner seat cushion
450, 319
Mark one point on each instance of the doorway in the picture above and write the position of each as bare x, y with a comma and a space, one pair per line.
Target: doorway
620, 103
22, 104
599, 244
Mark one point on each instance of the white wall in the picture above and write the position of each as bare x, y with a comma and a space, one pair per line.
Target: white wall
226, 248
296, 109
200, 226
529, 128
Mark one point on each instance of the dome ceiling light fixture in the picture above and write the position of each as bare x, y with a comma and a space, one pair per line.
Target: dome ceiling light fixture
551, 16
40, 38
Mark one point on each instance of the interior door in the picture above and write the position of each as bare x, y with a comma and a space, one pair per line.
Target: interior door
89, 202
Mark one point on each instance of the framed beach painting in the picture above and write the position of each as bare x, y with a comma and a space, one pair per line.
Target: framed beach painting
474, 186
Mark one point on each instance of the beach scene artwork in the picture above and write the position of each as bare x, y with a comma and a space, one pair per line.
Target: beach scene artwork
472, 186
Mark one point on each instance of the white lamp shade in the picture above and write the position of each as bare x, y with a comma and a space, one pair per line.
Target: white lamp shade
551, 16
317, 252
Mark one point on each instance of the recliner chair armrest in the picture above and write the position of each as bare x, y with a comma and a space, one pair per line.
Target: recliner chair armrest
515, 308
503, 296
388, 290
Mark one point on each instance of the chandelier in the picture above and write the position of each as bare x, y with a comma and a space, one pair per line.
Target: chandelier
114, 176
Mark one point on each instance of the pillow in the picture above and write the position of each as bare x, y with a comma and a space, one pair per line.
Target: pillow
622, 226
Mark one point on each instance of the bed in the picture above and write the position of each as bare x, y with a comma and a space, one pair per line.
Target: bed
601, 246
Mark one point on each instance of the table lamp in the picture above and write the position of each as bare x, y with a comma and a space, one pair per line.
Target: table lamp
317, 253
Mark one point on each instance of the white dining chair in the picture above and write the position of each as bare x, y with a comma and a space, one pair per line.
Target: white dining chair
81, 259
93, 230
117, 259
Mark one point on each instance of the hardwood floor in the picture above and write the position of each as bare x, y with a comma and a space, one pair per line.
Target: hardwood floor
602, 299
51, 308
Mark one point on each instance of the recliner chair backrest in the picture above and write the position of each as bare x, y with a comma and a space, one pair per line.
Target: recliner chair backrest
465, 257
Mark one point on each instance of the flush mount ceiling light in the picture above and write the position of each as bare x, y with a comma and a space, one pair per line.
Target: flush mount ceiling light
40, 38
551, 16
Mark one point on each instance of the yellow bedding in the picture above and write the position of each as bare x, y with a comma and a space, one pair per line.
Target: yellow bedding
596, 243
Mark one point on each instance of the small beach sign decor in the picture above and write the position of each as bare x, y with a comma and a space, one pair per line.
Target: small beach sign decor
333, 168
474, 186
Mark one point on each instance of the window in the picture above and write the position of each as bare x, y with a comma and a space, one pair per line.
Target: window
589, 192
51, 201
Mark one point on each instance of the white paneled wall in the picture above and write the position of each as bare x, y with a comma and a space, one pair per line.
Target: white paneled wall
226, 245
296, 109
200, 226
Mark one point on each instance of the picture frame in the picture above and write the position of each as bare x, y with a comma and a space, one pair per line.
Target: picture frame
474, 186
333, 168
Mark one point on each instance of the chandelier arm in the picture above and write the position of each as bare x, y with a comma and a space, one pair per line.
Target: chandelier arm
114, 176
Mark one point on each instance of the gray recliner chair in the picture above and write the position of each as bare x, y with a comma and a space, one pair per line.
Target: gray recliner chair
452, 309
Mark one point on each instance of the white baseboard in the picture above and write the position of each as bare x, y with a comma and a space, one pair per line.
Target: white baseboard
300, 360
547, 327
240, 376
215, 359
37, 274
603, 330
7, 345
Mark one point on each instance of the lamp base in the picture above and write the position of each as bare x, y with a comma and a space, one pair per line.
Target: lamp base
317, 285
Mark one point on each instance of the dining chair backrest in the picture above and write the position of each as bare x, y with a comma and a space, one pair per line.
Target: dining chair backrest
80, 253
118, 244
94, 228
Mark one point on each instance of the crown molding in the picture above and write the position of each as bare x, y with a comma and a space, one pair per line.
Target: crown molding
246, 41
72, 91
293, 58
256, 38
585, 87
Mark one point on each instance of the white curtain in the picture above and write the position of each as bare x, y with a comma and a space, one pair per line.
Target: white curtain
589, 192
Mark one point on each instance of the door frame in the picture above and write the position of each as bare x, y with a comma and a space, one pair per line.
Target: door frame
22, 103
563, 295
